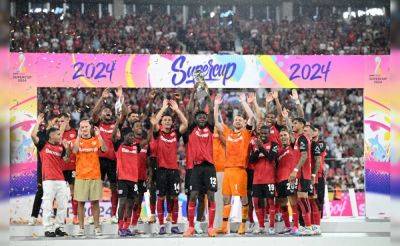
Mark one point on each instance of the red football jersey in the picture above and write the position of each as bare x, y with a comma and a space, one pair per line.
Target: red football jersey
264, 169
301, 144
127, 163
286, 163
167, 149
70, 137
200, 145
106, 133
52, 162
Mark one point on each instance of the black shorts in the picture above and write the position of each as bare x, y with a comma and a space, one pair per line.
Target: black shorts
127, 189
250, 176
263, 190
306, 186
167, 182
108, 167
188, 187
204, 178
285, 188
69, 176
142, 185
319, 188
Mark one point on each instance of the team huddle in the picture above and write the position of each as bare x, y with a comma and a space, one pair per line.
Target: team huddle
271, 158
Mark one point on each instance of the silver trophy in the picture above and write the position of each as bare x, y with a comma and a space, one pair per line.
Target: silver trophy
202, 89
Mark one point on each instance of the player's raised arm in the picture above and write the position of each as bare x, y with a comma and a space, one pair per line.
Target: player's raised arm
218, 124
190, 109
211, 110
97, 108
275, 96
299, 108
159, 115
35, 130
285, 115
116, 133
252, 100
268, 99
103, 146
247, 109
184, 123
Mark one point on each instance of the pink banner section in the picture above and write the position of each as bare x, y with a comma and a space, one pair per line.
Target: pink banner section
342, 207
220, 71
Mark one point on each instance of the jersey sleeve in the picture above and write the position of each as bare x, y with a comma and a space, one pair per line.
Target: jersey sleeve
303, 144
316, 150
322, 146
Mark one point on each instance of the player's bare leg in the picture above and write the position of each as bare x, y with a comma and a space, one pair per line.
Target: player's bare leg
283, 202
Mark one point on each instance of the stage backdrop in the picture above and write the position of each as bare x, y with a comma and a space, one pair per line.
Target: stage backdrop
31, 70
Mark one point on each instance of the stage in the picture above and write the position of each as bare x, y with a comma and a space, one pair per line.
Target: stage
337, 231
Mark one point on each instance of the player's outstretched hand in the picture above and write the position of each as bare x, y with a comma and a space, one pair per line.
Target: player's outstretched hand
40, 118
275, 94
269, 98
174, 105
251, 97
106, 93
295, 95
165, 103
242, 97
218, 99
285, 113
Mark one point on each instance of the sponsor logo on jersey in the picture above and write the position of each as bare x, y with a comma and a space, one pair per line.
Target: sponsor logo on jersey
202, 135
164, 139
51, 152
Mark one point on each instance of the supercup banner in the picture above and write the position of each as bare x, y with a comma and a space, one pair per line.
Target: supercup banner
31, 70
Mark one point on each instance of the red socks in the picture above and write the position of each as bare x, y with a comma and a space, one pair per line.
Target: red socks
191, 209
260, 211
250, 213
211, 214
74, 207
285, 215
295, 214
114, 202
271, 204
136, 214
304, 205
160, 210
316, 215
127, 222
